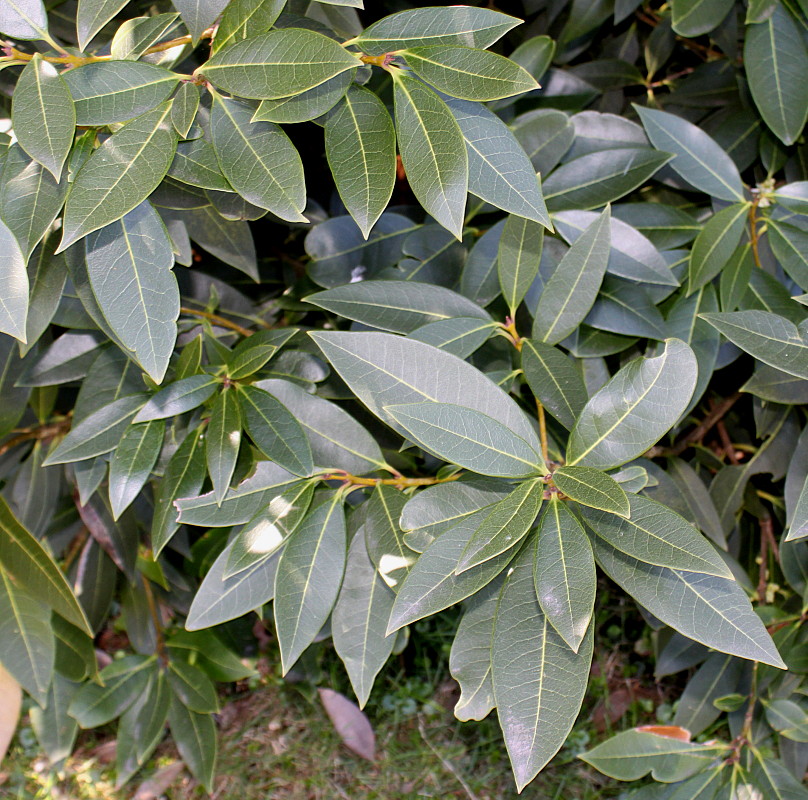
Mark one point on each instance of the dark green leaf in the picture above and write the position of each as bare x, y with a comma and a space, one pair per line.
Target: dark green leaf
195, 737
592, 488
178, 397
132, 463
222, 441
554, 380
243, 19
518, 258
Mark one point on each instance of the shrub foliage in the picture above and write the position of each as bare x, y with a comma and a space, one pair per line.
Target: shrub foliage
431, 377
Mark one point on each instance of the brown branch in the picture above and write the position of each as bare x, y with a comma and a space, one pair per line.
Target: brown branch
215, 318
399, 482
754, 236
38, 433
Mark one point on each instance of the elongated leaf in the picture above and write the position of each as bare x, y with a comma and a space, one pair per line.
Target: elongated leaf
132, 463
129, 265
564, 573
634, 409
92, 15
464, 25
308, 579
467, 73
223, 441
570, 292
719, 676
709, 609
13, 285
362, 125
243, 19
309, 105
120, 174
715, 244
774, 779
698, 17
499, 170
383, 369
253, 353
359, 621
275, 431
195, 737
28, 642
198, 15
775, 56
114, 91
552, 377
539, 682
593, 488
193, 687
23, 19
258, 160
183, 476
277, 64
432, 584
138, 34
772, 339
228, 240
508, 522
43, 115
470, 657
178, 397
468, 438
384, 538
397, 306
433, 152
221, 599
790, 246
518, 258
699, 158
658, 536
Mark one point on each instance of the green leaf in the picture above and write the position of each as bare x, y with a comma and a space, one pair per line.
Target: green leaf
132, 463
47, 275
243, 19
772, 339
308, 579
571, 290
30, 199
499, 170
28, 642
23, 19
222, 441
207, 651
657, 536
129, 265
192, 687
120, 174
460, 336
775, 781
184, 109
195, 737
275, 431
463, 25
554, 380
564, 573
221, 599
135, 36
397, 306
706, 608
195, 163
383, 369
518, 258
199, 15
470, 656
432, 584
114, 91
592, 488
790, 246
468, 438
361, 125
384, 539
307, 106
467, 73
359, 620
98, 433
775, 59
268, 530
13, 286
595, 179
258, 159
699, 158
539, 682
508, 522
122, 682
75, 654
634, 409
697, 17
715, 244
183, 476
91, 17
433, 152
43, 115
634, 753
178, 397
277, 64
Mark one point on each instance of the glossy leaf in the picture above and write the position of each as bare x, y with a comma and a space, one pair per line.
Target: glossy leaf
552, 377
715, 244
223, 441
23, 19
593, 488
132, 463
92, 15
178, 397
518, 258
195, 737
198, 15
243, 19
13, 285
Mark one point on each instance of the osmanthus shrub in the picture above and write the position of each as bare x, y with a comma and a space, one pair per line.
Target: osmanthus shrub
428, 377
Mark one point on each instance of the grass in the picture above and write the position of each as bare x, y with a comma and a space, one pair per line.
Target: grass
276, 742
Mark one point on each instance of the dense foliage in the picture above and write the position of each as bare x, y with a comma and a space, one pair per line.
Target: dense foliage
431, 378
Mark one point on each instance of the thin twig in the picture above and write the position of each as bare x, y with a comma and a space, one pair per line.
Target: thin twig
215, 318
543, 431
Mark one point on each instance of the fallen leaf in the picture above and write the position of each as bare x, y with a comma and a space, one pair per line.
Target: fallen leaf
10, 704
156, 786
350, 723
